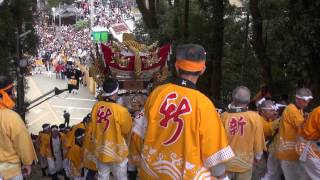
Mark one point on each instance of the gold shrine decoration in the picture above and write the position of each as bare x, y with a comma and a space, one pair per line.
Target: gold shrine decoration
151, 53
121, 61
137, 64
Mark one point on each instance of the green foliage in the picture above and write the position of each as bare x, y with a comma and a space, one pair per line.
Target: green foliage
290, 30
10, 13
81, 24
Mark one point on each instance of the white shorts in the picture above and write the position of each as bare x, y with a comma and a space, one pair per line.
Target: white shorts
119, 170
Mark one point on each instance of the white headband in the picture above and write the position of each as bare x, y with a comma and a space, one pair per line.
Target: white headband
260, 101
79, 137
112, 93
46, 127
54, 129
306, 98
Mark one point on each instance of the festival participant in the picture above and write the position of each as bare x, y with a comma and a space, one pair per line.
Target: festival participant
71, 136
75, 155
137, 104
268, 111
292, 119
244, 129
44, 142
111, 125
55, 153
63, 135
179, 135
308, 145
89, 159
16, 146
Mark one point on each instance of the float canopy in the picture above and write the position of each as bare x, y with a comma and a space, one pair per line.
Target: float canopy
100, 34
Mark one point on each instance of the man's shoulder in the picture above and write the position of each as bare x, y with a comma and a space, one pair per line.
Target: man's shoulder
251, 115
10, 116
184, 91
317, 109
291, 108
9, 112
115, 107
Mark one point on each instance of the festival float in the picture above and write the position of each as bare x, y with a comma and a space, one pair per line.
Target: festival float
138, 68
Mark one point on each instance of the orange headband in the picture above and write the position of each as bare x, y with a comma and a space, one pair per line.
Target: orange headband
6, 101
189, 65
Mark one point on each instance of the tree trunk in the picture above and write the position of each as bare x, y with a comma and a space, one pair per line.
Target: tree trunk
148, 15
177, 32
258, 43
217, 49
186, 19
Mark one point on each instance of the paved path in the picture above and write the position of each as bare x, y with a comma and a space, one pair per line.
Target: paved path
51, 111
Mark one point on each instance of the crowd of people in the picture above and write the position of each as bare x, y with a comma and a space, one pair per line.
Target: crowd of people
60, 47
178, 134
77, 43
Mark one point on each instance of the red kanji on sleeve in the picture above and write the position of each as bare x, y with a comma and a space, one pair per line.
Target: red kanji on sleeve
103, 115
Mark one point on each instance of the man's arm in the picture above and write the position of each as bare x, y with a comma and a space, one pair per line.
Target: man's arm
213, 142
22, 143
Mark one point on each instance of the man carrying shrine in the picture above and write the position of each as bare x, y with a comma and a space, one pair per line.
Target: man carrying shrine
55, 153
244, 129
308, 146
75, 155
89, 159
16, 149
268, 111
291, 121
44, 142
111, 126
179, 134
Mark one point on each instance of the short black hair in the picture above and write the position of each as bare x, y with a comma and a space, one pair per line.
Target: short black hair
54, 126
189, 73
79, 132
61, 126
5, 80
192, 52
110, 85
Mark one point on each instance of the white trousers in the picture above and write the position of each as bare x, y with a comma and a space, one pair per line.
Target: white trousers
312, 167
19, 177
273, 168
119, 170
66, 167
55, 166
43, 161
293, 170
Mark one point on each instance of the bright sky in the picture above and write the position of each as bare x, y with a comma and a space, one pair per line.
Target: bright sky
237, 3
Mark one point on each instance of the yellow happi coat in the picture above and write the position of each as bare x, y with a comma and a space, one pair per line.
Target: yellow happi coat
15, 144
63, 140
179, 135
246, 138
311, 132
70, 138
75, 155
89, 159
44, 141
269, 127
111, 125
291, 121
